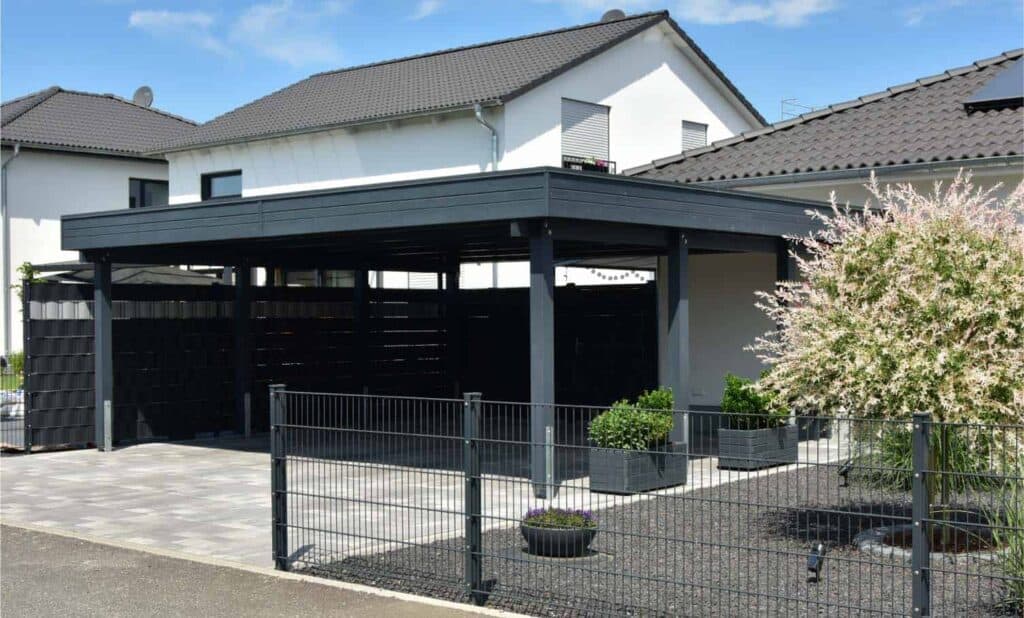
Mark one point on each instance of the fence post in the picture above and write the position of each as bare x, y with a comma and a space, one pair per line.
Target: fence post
278, 477
919, 562
26, 336
473, 499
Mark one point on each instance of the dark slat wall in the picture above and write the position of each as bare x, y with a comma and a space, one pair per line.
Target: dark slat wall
174, 366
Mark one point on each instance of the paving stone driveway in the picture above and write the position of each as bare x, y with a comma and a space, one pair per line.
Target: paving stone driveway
185, 497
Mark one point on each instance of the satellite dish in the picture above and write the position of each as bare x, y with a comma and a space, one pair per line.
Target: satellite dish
612, 15
143, 96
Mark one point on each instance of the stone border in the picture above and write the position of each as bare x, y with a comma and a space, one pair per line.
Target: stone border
872, 541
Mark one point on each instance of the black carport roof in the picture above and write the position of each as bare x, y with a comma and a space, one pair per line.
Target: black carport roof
418, 224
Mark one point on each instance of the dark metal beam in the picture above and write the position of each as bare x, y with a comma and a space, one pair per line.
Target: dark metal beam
104, 354
597, 232
542, 360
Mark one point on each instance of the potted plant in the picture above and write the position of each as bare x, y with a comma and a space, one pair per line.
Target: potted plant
756, 433
558, 533
631, 450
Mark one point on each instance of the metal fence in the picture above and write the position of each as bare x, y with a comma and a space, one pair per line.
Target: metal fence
12, 407
798, 516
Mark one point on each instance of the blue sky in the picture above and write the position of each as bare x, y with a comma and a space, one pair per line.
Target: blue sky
205, 57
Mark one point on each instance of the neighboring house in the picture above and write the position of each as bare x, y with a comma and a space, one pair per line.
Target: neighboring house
68, 152
922, 132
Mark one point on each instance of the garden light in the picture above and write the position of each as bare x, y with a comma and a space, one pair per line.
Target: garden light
815, 560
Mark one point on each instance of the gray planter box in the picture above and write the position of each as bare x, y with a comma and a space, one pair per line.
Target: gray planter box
616, 471
753, 449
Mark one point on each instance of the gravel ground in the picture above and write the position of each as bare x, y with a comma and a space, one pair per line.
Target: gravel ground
736, 549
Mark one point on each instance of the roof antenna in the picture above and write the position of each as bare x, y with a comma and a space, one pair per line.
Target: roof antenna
143, 96
612, 15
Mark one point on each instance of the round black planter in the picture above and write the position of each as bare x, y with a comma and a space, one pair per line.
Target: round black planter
557, 542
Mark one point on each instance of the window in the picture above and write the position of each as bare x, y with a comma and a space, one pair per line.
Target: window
143, 192
695, 135
222, 184
584, 130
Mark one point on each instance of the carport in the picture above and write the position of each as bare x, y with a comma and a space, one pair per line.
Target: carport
546, 216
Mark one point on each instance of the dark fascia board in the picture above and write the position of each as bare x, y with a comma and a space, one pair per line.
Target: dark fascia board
477, 198
76, 150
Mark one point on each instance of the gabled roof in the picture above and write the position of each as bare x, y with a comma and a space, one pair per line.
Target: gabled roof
82, 121
924, 121
448, 80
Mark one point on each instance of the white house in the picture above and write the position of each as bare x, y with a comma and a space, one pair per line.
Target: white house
66, 152
605, 95
621, 91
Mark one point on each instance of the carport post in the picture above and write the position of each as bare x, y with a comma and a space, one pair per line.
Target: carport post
360, 319
677, 339
243, 370
453, 319
542, 360
104, 353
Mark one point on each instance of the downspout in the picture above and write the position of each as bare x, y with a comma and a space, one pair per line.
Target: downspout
5, 217
478, 110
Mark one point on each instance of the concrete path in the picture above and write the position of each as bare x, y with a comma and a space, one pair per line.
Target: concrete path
48, 575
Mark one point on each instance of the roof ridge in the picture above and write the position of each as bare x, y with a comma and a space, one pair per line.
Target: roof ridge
48, 92
120, 99
829, 110
522, 37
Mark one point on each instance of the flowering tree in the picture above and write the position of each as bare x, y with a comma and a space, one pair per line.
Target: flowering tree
913, 304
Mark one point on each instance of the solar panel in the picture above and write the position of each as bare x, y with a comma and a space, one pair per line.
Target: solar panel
1004, 89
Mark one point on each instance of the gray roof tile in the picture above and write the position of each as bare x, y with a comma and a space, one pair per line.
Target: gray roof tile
446, 80
924, 121
66, 119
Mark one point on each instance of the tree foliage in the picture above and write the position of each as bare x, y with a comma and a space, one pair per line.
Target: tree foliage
915, 303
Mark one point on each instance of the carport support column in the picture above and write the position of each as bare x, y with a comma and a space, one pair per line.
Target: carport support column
677, 333
243, 356
104, 354
542, 360
453, 319
360, 328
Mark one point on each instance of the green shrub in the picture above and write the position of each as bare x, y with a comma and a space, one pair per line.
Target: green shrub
746, 407
660, 399
16, 362
626, 427
1008, 533
888, 460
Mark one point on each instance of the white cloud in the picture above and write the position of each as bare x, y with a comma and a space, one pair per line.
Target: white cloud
426, 8
193, 26
914, 15
292, 34
785, 13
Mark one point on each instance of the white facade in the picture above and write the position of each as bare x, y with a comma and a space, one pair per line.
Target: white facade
649, 82
41, 186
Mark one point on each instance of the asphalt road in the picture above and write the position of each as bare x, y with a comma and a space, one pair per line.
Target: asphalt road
49, 575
